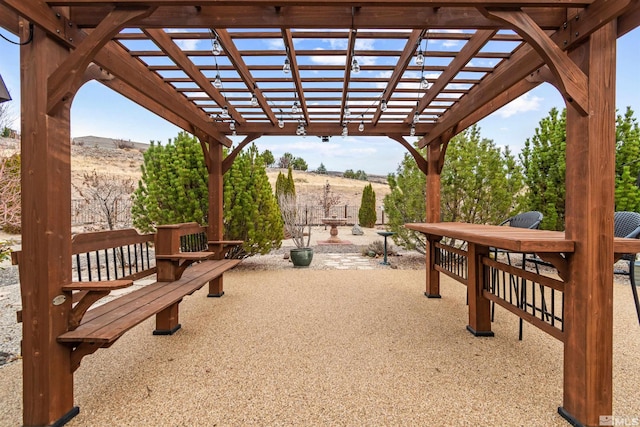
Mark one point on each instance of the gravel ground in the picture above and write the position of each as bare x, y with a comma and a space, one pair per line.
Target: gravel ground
319, 346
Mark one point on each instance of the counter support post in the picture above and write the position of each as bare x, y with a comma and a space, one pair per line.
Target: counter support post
479, 305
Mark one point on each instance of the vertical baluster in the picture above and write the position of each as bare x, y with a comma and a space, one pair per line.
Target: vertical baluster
122, 266
79, 267
89, 266
98, 266
106, 260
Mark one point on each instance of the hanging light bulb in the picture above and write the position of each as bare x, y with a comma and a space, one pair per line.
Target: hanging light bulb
347, 111
232, 125
234, 133
416, 117
412, 132
286, 68
216, 49
217, 83
225, 111
300, 130
345, 130
281, 123
383, 105
424, 83
294, 107
254, 100
355, 67
361, 126
420, 58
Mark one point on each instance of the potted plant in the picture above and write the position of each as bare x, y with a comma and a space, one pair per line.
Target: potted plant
294, 227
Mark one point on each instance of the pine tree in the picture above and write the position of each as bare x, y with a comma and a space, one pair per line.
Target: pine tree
479, 181
479, 184
251, 210
367, 213
543, 159
174, 189
406, 203
291, 185
627, 162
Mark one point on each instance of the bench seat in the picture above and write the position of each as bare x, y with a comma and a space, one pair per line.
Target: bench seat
103, 325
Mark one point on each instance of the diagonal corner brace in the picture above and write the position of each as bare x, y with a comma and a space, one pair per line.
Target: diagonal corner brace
570, 80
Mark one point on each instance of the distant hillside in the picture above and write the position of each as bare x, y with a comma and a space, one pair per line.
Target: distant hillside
108, 143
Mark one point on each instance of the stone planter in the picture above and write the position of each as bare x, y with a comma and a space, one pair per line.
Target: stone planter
301, 257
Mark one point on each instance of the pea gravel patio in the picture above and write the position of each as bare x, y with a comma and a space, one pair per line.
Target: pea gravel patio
328, 347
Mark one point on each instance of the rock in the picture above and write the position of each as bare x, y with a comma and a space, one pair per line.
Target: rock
357, 230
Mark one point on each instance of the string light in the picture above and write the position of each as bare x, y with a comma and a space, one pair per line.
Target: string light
412, 132
216, 49
361, 126
420, 58
286, 68
294, 108
345, 130
355, 67
416, 117
254, 100
225, 111
217, 83
232, 125
383, 105
424, 83
280, 123
347, 111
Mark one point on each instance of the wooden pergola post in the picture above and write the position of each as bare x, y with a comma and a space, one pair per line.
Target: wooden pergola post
215, 230
433, 215
588, 349
45, 264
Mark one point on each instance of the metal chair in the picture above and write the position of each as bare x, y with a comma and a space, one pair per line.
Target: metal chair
627, 224
531, 220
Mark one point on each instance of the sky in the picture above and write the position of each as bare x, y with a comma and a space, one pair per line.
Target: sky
98, 111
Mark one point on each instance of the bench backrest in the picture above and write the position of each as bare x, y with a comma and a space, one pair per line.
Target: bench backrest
110, 255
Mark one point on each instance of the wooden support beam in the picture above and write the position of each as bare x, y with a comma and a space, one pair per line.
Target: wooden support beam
433, 213
266, 3
463, 57
113, 57
421, 162
403, 63
327, 16
67, 79
235, 57
571, 81
351, 42
164, 42
525, 61
295, 73
588, 310
45, 264
215, 228
9, 19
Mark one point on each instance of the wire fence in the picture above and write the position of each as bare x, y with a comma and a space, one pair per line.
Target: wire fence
85, 213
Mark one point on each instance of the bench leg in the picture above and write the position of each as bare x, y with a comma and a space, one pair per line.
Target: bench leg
216, 288
167, 321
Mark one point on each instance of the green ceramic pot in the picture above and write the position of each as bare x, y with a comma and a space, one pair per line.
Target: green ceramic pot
301, 257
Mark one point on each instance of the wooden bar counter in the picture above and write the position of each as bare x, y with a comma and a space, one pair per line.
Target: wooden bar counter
552, 246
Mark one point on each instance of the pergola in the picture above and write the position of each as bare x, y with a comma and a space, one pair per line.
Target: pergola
257, 77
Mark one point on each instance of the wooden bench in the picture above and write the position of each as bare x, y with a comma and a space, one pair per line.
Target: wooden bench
109, 255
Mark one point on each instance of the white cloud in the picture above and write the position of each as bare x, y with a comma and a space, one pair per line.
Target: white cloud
187, 44
526, 102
